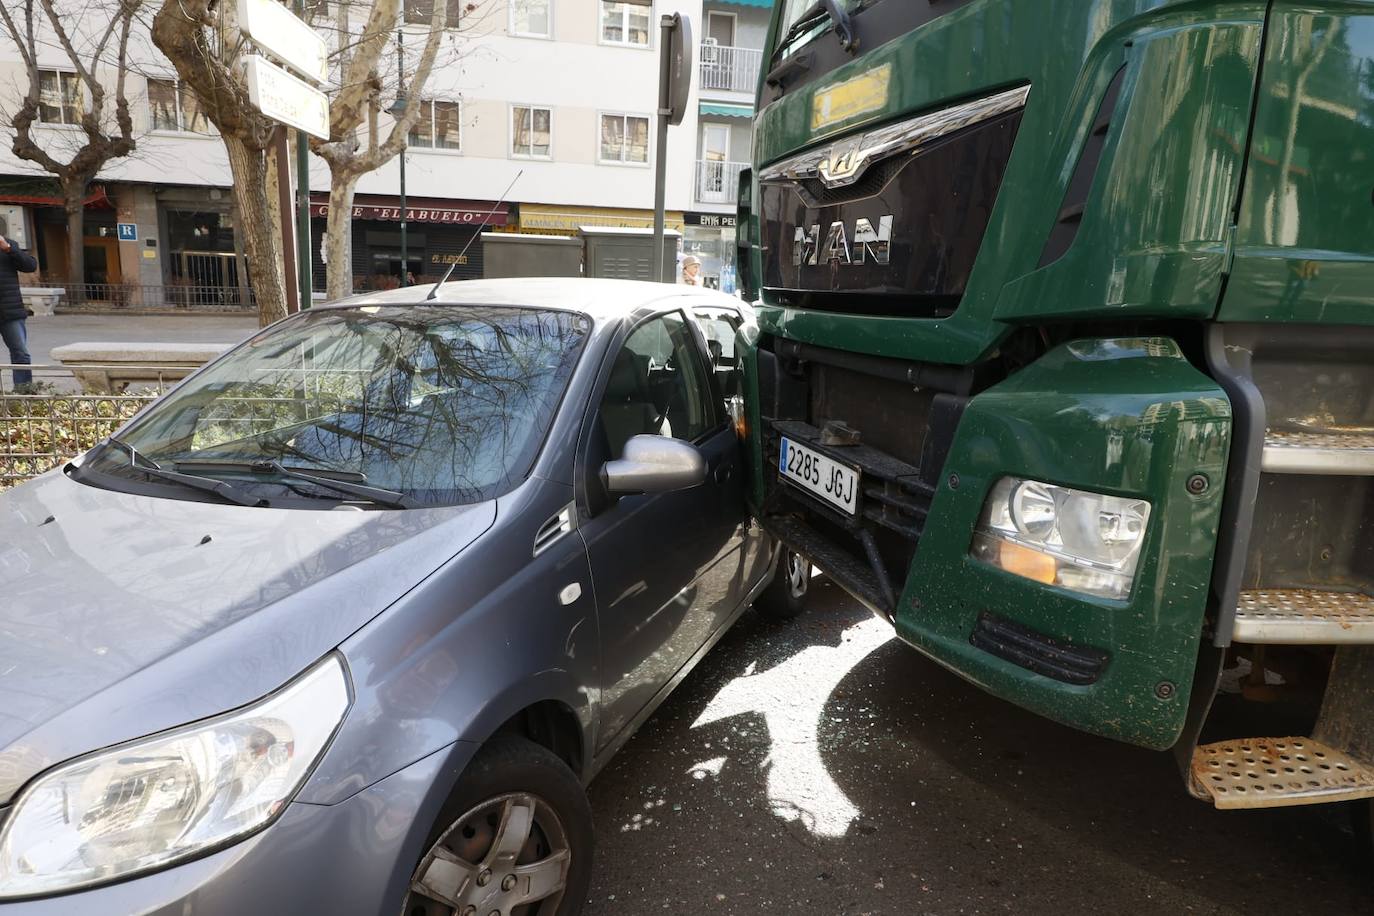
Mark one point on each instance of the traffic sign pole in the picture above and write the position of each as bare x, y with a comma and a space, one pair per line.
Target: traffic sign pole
304, 265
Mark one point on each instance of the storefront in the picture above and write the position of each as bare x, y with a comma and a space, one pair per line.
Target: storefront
34, 210
711, 237
439, 233
553, 219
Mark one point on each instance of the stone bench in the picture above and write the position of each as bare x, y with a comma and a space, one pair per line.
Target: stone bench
41, 300
110, 368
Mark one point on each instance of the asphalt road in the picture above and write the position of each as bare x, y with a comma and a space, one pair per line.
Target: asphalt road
823, 767
46, 332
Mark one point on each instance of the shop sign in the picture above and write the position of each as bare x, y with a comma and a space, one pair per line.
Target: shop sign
710, 220
420, 215
447, 259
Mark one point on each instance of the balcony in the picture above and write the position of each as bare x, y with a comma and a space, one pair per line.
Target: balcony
718, 181
730, 69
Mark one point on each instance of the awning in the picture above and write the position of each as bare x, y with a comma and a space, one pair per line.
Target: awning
96, 198
721, 110
761, 4
440, 210
545, 218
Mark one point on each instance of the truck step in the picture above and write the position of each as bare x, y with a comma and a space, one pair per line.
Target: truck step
1277, 773
1341, 454
1294, 616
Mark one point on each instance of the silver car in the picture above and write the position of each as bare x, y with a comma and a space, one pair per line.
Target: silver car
345, 622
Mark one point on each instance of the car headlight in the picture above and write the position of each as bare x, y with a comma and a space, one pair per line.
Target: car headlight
145, 804
1088, 542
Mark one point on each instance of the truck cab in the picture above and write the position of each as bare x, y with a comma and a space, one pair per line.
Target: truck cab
1066, 359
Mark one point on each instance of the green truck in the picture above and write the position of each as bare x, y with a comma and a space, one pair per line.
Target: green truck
1066, 359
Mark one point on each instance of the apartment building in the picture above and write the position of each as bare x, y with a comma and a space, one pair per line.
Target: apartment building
562, 92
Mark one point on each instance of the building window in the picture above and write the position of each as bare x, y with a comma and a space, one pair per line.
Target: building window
531, 18
59, 97
626, 22
175, 107
531, 131
421, 12
439, 125
624, 138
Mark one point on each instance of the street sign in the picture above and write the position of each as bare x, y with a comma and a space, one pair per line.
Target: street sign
680, 68
282, 97
285, 36
128, 232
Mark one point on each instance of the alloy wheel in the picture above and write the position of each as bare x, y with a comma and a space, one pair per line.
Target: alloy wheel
507, 856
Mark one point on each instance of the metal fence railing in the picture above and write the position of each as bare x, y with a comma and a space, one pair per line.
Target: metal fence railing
718, 181
52, 420
730, 69
173, 296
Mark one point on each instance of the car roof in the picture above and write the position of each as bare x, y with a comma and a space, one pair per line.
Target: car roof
602, 299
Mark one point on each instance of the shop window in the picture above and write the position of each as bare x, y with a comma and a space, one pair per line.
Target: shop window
173, 106
59, 97
531, 18
439, 125
626, 22
421, 12
624, 138
531, 131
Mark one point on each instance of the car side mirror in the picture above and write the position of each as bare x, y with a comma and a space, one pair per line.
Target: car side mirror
654, 464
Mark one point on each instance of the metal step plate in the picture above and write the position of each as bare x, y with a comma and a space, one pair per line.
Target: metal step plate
1289, 452
1294, 616
1278, 772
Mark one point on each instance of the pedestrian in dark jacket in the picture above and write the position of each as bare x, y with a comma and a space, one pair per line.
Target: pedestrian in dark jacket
13, 262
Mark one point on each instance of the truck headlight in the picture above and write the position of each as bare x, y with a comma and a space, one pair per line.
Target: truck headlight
142, 805
1087, 542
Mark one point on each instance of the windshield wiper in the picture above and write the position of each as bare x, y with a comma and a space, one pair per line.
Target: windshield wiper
817, 13
156, 471
383, 497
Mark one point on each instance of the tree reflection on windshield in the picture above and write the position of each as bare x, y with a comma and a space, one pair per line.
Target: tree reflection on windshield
445, 404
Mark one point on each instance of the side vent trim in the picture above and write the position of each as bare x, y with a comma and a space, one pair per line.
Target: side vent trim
563, 522
1081, 184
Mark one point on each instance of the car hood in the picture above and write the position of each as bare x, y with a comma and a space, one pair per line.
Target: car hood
123, 615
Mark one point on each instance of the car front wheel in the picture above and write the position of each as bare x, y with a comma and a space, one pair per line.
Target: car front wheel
515, 838
785, 596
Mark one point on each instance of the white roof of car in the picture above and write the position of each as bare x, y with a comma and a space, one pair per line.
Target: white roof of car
600, 298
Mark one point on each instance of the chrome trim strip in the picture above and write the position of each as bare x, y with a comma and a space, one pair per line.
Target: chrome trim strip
844, 162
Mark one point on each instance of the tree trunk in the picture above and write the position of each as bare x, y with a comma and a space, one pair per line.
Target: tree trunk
258, 222
73, 202
338, 236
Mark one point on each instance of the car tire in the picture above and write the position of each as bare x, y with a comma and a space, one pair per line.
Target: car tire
785, 597
515, 837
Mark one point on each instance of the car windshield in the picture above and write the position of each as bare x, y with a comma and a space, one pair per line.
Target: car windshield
424, 404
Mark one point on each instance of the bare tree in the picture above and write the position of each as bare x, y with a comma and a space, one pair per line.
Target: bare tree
201, 38
355, 105
75, 163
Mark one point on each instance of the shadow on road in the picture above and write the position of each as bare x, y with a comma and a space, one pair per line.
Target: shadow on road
824, 767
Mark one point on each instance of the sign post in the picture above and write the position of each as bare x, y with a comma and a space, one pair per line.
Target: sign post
674, 87
292, 101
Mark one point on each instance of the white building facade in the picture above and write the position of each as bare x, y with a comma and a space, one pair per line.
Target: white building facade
564, 90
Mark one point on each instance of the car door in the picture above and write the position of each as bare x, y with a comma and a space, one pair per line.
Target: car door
657, 559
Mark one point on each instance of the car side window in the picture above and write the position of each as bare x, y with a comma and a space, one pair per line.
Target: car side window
719, 327
657, 386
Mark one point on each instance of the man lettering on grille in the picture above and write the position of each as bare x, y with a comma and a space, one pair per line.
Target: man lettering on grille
13, 262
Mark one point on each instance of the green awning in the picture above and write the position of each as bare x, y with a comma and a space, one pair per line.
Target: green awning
721, 110
762, 4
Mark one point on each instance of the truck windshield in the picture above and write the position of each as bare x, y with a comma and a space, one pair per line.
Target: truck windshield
420, 405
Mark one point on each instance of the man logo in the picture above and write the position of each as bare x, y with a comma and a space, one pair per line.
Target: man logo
806, 247
842, 165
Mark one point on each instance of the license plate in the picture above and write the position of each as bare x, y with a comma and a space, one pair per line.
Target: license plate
833, 482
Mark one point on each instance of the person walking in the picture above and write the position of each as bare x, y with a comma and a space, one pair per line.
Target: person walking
13, 262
